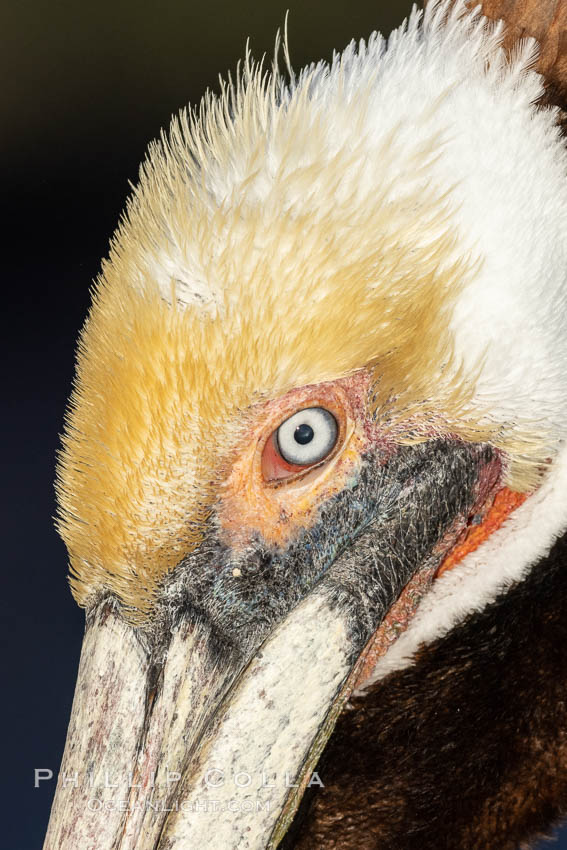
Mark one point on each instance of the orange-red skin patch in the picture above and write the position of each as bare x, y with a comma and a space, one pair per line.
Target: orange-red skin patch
402, 611
505, 501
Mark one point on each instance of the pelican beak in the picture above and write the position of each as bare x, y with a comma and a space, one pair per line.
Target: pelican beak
194, 735
158, 758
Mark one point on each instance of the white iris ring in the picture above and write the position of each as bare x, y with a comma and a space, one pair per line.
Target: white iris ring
324, 436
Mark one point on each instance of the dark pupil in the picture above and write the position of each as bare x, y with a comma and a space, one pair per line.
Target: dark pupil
303, 434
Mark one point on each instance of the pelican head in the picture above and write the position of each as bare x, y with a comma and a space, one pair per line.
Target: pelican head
328, 340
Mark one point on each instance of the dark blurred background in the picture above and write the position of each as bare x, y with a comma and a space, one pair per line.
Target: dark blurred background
85, 87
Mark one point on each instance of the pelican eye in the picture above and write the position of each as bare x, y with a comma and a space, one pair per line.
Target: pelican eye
308, 436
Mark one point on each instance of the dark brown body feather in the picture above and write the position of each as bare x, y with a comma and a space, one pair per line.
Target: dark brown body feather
465, 749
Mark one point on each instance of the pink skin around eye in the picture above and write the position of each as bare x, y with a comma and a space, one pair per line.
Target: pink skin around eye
274, 467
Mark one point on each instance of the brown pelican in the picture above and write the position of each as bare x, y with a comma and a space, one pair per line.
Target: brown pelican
314, 466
